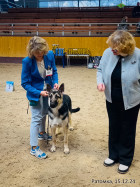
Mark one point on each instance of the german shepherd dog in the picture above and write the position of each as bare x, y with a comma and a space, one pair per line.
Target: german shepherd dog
59, 113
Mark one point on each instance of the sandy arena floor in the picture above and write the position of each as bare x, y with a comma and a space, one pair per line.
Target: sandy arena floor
88, 143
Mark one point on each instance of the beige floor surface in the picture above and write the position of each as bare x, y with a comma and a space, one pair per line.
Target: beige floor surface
88, 143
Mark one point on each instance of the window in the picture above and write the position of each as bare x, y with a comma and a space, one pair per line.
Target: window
85, 3
88, 3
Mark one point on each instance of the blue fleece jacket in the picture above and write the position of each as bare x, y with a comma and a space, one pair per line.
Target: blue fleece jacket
31, 80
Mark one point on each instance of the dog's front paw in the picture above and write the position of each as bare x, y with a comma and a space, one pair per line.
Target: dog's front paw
53, 149
66, 150
71, 128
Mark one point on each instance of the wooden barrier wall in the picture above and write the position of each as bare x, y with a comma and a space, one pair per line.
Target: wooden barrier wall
13, 46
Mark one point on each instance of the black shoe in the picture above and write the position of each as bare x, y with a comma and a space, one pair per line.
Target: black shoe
109, 162
123, 169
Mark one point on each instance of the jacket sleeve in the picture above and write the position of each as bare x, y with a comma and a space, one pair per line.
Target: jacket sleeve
55, 74
99, 72
26, 78
139, 65
100, 68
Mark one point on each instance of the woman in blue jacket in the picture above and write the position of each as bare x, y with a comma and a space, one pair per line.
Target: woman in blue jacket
119, 77
38, 69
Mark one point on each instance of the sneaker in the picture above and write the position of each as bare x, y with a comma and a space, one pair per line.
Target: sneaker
123, 169
109, 162
38, 153
44, 136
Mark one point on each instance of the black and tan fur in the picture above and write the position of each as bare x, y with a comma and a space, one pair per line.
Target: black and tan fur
59, 112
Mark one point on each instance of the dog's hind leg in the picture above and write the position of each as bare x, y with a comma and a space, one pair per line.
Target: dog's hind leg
53, 148
66, 148
70, 123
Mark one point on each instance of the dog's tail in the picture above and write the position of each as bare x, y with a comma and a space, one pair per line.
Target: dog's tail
75, 110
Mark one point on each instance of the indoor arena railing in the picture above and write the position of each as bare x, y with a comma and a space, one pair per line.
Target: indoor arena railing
63, 29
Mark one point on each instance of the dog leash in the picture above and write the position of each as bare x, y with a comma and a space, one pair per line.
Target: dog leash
48, 129
28, 107
48, 122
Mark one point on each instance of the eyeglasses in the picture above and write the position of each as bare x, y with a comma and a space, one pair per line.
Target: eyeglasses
114, 50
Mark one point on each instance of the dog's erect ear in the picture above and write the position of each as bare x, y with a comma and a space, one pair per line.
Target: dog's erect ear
61, 88
48, 88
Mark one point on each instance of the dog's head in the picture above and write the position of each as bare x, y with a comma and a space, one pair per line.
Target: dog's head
55, 96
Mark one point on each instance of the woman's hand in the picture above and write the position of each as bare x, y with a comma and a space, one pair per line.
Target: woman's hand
56, 86
44, 93
101, 87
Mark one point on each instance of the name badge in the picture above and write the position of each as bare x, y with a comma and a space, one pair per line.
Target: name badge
49, 72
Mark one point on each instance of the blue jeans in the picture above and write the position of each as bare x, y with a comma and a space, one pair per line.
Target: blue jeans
38, 119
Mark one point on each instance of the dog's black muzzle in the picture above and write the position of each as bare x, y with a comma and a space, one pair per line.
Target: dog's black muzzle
53, 104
